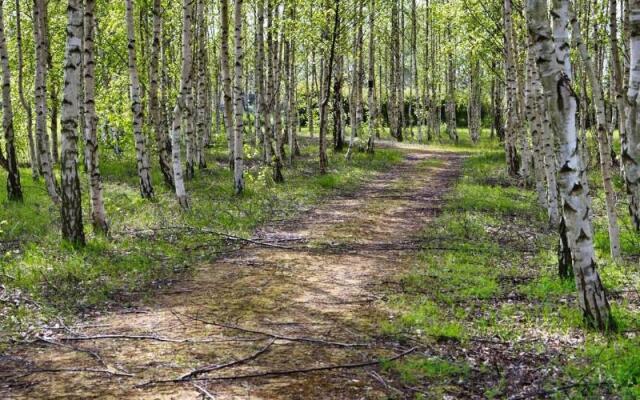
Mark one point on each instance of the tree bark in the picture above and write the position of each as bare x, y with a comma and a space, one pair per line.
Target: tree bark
562, 105
71, 210
602, 130
162, 138
34, 155
10, 162
338, 110
238, 107
180, 107
356, 82
371, 84
142, 156
98, 213
226, 77
393, 108
322, 150
474, 107
631, 154
40, 95
512, 112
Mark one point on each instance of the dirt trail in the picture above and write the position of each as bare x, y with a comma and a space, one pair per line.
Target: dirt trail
321, 277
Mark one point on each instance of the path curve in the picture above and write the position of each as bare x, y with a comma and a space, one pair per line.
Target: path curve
309, 299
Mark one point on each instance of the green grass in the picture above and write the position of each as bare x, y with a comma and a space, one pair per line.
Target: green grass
488, 270
145, 252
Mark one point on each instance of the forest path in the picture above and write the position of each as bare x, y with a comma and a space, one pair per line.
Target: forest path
315, 284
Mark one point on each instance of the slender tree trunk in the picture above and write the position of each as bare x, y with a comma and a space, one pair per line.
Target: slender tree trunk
34, 155
10, 162
275, 104
142, 156
226, 77
603, 140
40, 95
53, 98
393, 108
179, 110
534, 117
355, 92
327, 89
617, 75
262, 116
631, 155
415, 88
238, 107
473, 113
71, 211
162, 138
371, 84
400, 75
98, 213
338, 120
520, 137
452, 130
512, 112
562, 106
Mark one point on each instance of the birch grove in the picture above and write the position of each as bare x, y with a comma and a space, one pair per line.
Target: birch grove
266, 94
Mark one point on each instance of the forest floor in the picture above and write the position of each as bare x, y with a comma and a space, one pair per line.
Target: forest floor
432, 277
302, 294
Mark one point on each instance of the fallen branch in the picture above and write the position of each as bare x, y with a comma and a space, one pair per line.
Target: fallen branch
277, 336
216, 367
268, 374
210, 232
131, 337
307, 370
204, 391
64, 370
148, 337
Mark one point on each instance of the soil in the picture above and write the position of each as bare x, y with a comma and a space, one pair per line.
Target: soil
306, 293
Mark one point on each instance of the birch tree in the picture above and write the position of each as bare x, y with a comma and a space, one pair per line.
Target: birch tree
602, 130
238, 108
10, 161
562, 105
71, 210
142, 156
512, 113
178, 110
631, 153
40, 95
226, 77
326, 89
34, 156
98, 213
160, 129
371, 83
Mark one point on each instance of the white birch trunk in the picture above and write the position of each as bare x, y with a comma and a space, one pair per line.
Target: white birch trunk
226, 77
512, 113
371, 84
98, 213
71, 210
34, 156
562, 105
142, 156
10, 163
180, 107
40, 95
603, 141
238, 108
160, 128
631, 155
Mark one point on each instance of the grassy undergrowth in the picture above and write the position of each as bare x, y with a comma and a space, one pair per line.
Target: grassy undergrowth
152, 241
484, 299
